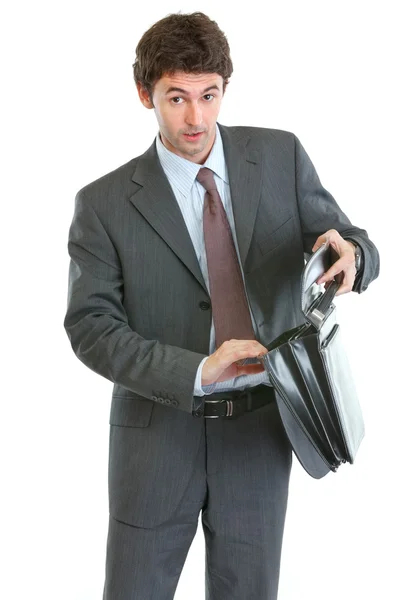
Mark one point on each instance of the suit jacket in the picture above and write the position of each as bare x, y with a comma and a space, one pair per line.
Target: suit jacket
136, 297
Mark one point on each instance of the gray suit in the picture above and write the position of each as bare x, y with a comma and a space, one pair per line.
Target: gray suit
136, 316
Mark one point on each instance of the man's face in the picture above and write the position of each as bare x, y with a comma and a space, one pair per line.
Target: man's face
186, 104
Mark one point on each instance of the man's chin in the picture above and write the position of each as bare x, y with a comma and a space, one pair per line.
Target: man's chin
191, 149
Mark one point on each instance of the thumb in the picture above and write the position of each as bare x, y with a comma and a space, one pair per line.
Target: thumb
252, 369
323, 239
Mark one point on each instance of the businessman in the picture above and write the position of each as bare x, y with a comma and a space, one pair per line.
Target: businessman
185, 263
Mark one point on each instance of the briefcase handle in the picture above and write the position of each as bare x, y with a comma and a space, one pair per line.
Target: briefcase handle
316, 266
319, 310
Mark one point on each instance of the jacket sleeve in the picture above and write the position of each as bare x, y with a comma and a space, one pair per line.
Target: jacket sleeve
97, 325
319, 212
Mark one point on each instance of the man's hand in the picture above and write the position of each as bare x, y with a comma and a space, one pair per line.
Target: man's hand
224, 364
345, 263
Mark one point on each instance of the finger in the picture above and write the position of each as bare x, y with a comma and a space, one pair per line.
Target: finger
318, 242
240, 344
238, 351
244, 361
347, 284
241, 362
340, 265
253, 347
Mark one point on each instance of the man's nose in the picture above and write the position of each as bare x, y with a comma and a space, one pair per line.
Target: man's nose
193, 115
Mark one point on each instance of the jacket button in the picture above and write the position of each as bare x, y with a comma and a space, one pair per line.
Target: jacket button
204, 305
198, 413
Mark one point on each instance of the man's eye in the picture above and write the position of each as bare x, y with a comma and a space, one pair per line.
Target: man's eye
176, 99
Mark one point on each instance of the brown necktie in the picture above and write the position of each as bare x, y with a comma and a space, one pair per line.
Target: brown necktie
230, 308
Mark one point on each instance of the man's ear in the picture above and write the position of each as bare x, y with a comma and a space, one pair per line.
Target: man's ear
144, 96
225, 85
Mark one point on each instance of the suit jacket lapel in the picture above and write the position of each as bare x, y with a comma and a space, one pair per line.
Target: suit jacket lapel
245, 180
157, 203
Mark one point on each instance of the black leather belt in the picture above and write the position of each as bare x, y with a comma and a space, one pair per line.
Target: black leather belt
235, 403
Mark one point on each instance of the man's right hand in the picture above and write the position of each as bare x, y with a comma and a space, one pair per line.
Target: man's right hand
223, 363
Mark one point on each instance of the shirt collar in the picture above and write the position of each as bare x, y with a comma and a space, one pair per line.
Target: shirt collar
182, 172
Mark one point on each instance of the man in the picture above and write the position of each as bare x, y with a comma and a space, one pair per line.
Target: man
185, 264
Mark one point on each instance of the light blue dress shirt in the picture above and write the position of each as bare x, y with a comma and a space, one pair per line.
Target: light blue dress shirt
189, 193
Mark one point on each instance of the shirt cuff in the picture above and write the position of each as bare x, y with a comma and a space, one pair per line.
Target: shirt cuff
359, 274
200, 390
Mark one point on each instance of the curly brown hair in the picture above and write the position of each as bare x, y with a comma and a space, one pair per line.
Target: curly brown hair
192, 43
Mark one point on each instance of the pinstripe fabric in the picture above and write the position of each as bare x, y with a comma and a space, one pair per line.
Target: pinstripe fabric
189, 193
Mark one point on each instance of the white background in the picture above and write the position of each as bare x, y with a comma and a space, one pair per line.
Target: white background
70, 112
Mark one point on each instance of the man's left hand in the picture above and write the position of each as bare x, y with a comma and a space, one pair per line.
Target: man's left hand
345, 263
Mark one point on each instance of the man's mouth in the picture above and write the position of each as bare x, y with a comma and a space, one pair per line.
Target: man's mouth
193, 137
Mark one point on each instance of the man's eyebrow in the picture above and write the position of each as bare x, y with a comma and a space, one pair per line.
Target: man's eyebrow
182, 91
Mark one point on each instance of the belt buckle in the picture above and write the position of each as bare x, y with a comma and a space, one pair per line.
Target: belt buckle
229, 408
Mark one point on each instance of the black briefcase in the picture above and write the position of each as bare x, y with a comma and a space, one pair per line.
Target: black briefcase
310, 372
